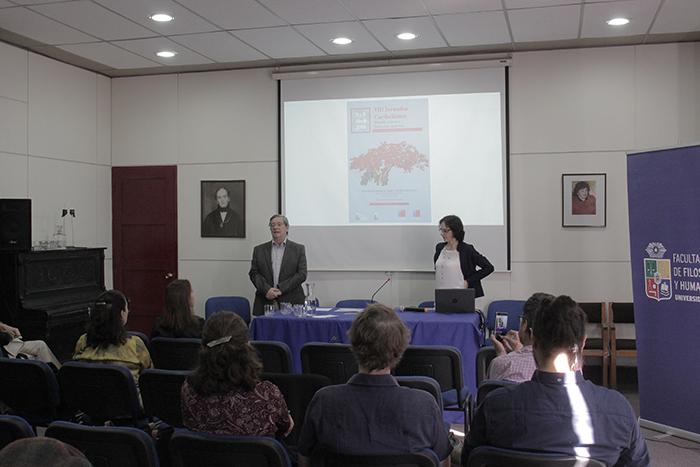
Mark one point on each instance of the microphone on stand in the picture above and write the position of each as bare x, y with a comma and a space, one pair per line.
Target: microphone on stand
380, 288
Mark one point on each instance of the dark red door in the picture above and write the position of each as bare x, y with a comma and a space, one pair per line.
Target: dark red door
144, 238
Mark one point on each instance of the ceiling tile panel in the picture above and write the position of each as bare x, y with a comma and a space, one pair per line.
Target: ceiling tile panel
148, 48
678, 16
220, 46
40, 28
234, 14
322, 34
34, 2
386, 30
539, 3
309, 11
110, 55
373, 9
5, 4
474, 28
545, 24
282, 42
93, 19
639, 12
442, 7
185, 21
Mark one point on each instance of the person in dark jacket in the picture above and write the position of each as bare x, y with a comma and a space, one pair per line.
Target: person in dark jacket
457, 264
179, 319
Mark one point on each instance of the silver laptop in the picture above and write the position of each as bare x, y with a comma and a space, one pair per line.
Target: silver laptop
454, 301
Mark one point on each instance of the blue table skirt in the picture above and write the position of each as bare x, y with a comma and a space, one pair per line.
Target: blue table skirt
458, 330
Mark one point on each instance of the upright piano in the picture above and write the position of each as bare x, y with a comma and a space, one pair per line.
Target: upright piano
48, 294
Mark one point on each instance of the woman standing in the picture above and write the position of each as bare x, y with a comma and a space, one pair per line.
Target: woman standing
457, 264
179, 319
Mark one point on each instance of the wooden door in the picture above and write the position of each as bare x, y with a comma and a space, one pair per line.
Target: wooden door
144, 238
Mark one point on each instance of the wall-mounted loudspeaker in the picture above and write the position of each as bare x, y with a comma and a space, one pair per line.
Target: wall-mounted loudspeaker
15, 224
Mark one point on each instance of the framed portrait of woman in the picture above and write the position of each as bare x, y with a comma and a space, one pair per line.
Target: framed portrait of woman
583, 200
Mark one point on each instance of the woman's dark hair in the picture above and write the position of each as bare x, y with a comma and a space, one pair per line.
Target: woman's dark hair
559, 325
105, 327
227, 361
580, 186
378, 338
454, 223
533, 305
178, 315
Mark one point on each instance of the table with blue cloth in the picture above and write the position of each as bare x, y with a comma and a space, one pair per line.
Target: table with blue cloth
459, 330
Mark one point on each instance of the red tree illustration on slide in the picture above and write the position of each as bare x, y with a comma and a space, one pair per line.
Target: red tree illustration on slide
378, 162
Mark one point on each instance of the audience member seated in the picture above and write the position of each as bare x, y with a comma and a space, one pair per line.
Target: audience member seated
371, 414
225, 395
515, 361
179, 319
14, 345
563, 412
106, 340
42, 451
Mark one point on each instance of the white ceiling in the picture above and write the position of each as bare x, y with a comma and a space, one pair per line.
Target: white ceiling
116, 37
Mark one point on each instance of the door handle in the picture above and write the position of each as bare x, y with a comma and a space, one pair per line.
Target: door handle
168, 275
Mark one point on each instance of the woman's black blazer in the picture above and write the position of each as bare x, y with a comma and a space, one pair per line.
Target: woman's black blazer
469, 260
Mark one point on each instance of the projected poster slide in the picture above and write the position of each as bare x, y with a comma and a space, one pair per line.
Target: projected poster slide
388, 161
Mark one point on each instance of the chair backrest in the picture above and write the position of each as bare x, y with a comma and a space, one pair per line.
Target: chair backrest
488, 386
622, 312
238, 305
13, 428
102, 391
141, 336
354, 303
275, 356
175, 353
440, 362
424, 383
30, 388
483, 360
427, 304
514, 308
597, 317
189, 449
108, 445
298, 390
336, 361
160, 393
490, 456
425, 458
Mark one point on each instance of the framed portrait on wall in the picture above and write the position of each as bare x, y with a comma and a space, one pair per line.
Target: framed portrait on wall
223, 208
583, 200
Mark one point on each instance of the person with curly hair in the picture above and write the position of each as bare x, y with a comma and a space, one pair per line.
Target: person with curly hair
224, 395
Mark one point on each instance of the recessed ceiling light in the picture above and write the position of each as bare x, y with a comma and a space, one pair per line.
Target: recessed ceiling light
406, 36
166, 54
161, 17
341, 41
617, 21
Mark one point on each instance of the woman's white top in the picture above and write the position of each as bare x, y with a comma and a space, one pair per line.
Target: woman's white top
448, 273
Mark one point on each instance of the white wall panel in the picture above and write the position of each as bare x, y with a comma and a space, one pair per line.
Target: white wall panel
144, 121
536, 212
103, 209
13, 72
13, 126
261, 203
572, 100
104, 120
55, 185
13, 176
109, 279
62, 110
227, 116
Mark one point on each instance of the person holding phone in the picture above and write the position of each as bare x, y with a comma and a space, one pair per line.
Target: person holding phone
515, 360
457, 264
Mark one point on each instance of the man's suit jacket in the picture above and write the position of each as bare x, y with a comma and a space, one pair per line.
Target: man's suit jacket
292, 274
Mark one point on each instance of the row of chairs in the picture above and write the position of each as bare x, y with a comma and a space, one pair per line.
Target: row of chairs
119, 446
604, 322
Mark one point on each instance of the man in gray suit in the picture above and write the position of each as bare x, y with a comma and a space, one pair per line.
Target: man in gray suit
278, 268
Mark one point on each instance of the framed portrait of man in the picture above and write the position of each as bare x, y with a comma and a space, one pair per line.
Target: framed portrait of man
223, 208
584, 200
